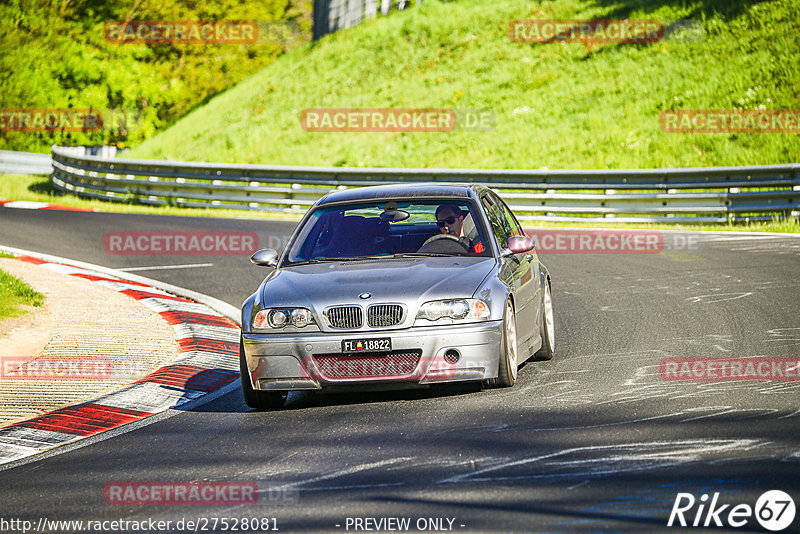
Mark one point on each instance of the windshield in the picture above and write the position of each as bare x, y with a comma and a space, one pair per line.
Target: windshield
390, 229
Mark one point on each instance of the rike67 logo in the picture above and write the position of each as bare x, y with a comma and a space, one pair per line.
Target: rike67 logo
774, 510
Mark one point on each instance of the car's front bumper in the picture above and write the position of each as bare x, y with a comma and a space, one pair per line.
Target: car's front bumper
287, 362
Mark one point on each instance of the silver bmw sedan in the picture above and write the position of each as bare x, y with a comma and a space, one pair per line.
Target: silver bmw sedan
396, 286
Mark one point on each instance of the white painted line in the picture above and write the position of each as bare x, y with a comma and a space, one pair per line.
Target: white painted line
162, 267
355, 487
35, 438
743, 237
168, 305
149, 397
657, 453
348, 471
718, 297
207, 360
68, 269
218, 333
10, 452
122, 286
706, 416
26, 204
578, 485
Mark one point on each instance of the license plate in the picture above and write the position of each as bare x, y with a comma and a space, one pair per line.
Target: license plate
381, 344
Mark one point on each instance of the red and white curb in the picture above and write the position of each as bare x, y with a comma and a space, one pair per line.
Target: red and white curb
208, 360
33, 205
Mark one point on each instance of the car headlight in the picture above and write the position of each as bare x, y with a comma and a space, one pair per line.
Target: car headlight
280, 317
454, 309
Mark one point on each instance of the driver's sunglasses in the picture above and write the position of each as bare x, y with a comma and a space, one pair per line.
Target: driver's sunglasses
449, 220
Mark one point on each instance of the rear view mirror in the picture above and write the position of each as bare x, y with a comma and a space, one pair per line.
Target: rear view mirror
519, 244
266, 257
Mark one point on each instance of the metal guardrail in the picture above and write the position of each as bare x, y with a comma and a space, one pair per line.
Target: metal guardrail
24, 163
13, 162
333, 15
712, 194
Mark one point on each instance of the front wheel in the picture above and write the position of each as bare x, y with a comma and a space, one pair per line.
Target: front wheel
547, 327
507, 366
260, 400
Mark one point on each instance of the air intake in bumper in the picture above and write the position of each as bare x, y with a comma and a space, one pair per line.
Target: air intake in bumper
367, 365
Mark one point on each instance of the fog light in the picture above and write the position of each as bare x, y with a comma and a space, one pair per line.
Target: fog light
452, 356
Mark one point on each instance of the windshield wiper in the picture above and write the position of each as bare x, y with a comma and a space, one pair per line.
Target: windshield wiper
372, 257
328, 260
420, 255
304, 262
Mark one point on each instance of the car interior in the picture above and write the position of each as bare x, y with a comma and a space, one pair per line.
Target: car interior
340, 234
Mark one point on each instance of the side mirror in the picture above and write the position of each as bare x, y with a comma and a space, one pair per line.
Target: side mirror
266, 257
519, 244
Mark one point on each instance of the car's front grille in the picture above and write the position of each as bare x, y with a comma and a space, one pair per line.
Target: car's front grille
345, 317
367, 365
384, 314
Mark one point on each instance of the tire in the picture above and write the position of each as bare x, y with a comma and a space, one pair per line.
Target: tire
260, 400
509, 359
547, 327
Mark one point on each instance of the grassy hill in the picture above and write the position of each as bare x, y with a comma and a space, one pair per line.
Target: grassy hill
54, 55
556, 105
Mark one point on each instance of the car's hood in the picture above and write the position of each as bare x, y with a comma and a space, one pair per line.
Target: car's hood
410, 281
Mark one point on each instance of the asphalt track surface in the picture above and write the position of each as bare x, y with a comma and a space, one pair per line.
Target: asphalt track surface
594, 440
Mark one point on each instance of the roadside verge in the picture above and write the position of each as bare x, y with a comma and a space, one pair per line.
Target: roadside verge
208, 361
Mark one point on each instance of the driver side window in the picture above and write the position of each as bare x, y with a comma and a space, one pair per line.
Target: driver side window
497, 220
516, 228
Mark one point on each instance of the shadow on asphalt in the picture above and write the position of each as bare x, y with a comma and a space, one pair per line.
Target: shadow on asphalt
233, 402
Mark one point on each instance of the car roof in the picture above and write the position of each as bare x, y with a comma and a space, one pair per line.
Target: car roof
405, 191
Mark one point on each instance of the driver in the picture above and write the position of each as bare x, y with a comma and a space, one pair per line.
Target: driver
451, 221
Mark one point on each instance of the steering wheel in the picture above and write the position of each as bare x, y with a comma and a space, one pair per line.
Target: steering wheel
445, 244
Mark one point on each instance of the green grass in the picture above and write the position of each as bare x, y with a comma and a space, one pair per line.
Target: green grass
54, 54
558, 106
15, 294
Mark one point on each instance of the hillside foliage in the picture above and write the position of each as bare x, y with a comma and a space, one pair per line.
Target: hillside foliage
54, 54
